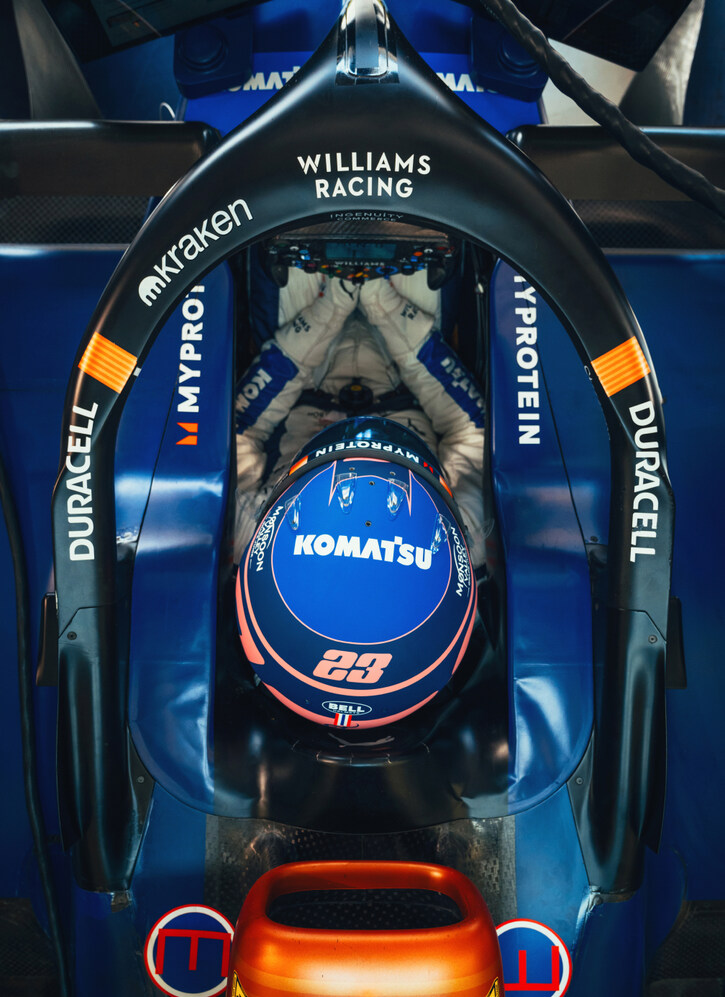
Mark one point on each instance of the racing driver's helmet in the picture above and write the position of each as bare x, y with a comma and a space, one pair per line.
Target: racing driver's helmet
356, 596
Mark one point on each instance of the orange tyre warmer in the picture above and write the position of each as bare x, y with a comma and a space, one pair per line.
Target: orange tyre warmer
275, 959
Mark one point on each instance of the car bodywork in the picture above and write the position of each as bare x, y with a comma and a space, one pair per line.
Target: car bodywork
572, 772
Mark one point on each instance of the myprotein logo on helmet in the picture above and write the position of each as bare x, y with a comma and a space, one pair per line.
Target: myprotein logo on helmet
191, 245
368, 445
323, 544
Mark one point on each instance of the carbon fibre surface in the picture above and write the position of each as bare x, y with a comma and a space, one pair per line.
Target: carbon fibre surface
27, 964
238, 852
76, 220
692, 958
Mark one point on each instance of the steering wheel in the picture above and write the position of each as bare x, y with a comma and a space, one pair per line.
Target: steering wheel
365, 128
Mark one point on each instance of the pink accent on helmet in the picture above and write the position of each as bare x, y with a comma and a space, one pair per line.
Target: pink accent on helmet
251, 650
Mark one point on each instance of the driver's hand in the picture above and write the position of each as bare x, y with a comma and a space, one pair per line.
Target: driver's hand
403, 325
307, 337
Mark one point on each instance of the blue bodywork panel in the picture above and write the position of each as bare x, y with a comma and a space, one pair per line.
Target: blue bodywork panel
549, 605
31, 401
271, 70
173, 648
687, 366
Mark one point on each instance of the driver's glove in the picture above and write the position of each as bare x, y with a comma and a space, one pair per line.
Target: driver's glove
403, 325
306, 338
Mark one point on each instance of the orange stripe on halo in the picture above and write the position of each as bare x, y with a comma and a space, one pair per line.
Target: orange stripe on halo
108, 363
620, 367
297, 465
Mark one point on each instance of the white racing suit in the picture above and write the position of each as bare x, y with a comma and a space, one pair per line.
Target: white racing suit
332, 334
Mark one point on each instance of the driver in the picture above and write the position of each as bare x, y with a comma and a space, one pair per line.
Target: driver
360, 443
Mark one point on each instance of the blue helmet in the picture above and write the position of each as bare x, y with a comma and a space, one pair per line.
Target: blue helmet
356, 596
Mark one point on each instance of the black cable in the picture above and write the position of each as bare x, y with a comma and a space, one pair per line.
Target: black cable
27, 726
639, 146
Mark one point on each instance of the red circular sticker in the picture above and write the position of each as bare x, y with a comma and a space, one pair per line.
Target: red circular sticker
187, 952
535, 960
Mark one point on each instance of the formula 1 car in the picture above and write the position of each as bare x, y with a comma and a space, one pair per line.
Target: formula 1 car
550, 822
